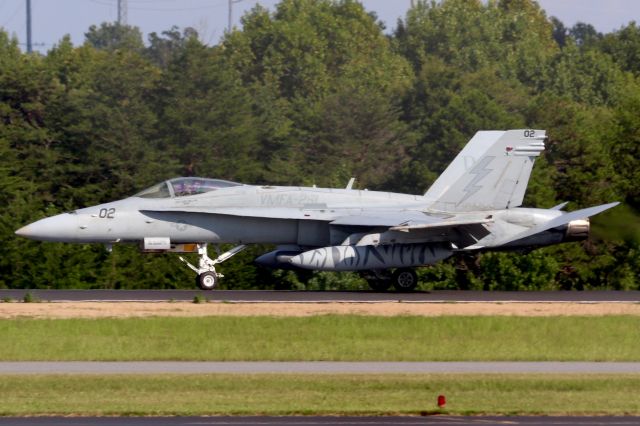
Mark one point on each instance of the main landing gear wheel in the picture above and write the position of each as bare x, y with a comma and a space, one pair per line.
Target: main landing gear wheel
405, 279
207, 280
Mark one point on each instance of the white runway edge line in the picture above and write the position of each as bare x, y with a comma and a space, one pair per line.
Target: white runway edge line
317, 367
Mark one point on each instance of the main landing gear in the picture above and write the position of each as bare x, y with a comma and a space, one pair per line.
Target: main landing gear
402, 279
207, 278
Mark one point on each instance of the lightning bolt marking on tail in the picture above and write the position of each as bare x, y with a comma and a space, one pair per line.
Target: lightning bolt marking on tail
480, 171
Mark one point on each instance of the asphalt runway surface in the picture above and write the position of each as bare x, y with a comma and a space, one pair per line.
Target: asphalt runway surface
257, 296
320, 421
314, 367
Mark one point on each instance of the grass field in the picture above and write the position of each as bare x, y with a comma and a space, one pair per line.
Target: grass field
332, 338
317, 394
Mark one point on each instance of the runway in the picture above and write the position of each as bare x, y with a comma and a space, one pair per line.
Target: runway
257, 296
316, 367
319, 421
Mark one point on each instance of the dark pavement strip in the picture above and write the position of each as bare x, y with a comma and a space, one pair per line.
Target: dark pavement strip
317, 367
323, 296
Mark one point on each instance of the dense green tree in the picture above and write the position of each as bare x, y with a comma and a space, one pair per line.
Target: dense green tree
515, 35
579, 149
623, 46
114, 36
560, 31
585, 35
587, 76
205, 116
328, 75
314, 92
625, 145
163, 48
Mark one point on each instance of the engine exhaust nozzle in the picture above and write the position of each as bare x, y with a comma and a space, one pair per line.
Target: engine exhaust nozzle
577, 230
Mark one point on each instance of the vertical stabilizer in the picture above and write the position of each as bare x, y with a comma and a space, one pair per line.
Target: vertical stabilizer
490, 173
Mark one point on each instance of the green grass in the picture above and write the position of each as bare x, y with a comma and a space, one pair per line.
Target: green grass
332, 338
317, 394
199, 299
29, 298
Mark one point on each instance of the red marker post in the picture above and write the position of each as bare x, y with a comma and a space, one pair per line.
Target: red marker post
442, 401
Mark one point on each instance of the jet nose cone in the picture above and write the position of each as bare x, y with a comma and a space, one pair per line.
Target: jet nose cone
62, 227
24, 232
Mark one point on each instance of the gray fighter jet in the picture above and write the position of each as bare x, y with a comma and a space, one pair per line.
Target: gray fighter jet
472, 206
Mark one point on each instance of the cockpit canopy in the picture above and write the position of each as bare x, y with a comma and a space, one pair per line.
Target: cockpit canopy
184, 186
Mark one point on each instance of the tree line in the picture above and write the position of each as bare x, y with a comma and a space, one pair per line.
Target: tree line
314, 92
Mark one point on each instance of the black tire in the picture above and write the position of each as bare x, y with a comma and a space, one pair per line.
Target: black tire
405, 279
379, 285
207, 281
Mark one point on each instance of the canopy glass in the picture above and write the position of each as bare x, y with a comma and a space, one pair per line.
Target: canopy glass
185, 186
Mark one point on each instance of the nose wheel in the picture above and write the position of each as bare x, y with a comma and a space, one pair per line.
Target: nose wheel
207, 278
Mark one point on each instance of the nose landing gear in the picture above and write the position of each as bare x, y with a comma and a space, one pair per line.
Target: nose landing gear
207, 278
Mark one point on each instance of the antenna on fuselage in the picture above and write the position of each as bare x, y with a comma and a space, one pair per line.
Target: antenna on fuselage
350, 184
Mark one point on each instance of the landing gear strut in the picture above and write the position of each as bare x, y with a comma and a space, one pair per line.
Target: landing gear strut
207, 277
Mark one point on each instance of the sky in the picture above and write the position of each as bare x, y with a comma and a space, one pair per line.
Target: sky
52, 19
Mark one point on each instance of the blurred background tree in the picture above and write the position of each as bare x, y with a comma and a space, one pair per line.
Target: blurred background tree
315, 92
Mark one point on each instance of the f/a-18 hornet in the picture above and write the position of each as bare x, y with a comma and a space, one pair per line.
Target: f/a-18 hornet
474, 205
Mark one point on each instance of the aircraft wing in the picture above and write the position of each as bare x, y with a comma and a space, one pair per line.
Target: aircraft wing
440, 224
425, 229
385, 218
408, 226
461, 233
554, 223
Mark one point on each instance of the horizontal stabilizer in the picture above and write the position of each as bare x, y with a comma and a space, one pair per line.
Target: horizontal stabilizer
560, 206
558, 221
